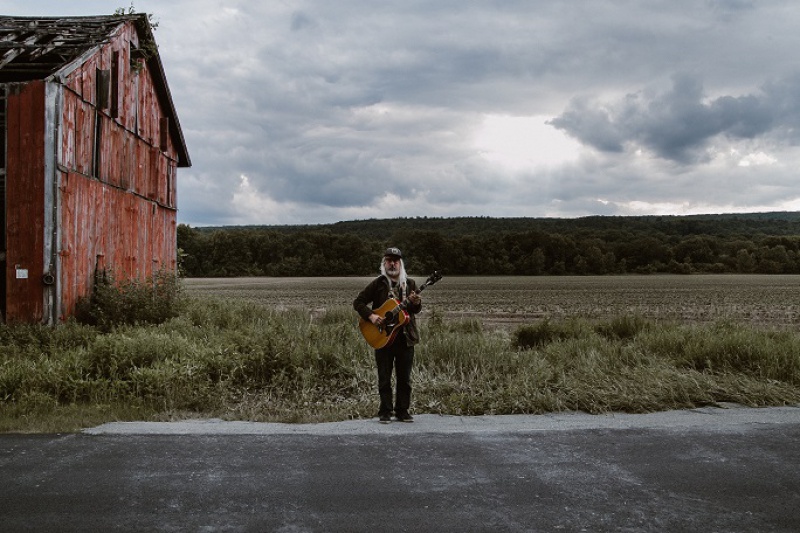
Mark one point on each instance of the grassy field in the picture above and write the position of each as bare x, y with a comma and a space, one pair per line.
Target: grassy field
288, 349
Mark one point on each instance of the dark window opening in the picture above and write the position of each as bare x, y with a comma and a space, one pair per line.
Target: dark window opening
170, 185
114, 109
103, 88
97, 145
163, 132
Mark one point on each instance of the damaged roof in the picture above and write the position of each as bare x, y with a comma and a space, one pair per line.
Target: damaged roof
45, 48
34, 48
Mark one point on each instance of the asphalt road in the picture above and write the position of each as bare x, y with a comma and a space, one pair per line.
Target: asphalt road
723, 470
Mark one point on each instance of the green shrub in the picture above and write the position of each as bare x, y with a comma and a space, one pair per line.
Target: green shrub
130, 301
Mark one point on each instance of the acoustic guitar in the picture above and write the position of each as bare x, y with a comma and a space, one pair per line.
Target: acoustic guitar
394, 316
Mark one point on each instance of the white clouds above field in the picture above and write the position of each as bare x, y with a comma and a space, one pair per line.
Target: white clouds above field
317, 111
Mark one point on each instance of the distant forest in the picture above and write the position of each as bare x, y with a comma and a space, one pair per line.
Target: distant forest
763, 243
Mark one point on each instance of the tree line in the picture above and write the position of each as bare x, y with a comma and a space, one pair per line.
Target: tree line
764, 243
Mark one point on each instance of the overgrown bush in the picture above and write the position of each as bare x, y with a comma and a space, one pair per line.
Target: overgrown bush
130, 301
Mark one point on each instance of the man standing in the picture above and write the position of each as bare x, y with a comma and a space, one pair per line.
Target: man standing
397, 355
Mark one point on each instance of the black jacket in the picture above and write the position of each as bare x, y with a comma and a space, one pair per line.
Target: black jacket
376, 293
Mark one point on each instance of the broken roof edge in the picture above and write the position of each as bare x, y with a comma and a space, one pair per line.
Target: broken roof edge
162, 88
146, 35
68, 68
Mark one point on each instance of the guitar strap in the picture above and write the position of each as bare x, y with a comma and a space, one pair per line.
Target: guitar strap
397, 296
396, 292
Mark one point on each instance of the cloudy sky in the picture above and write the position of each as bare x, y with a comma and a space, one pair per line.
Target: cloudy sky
316, 111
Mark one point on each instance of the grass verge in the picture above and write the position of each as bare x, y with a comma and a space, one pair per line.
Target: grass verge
236, 360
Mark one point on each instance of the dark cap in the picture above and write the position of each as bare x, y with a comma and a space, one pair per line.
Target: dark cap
393, 252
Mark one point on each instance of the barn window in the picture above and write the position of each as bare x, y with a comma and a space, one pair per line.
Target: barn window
98, 134
103, 86
171, 185
163, 132
114, 110
138, 58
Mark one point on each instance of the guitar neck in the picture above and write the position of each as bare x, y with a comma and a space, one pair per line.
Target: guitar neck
405, 303
402, 306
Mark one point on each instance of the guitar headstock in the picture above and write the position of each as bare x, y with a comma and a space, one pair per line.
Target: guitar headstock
433, 278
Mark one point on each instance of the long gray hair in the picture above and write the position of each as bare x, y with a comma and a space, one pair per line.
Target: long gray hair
402, 279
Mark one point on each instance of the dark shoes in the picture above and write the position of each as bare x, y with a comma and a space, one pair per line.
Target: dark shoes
385, 418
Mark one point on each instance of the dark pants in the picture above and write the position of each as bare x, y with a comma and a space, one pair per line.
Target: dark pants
400, 357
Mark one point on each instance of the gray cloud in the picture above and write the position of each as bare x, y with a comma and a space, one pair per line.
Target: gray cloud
338, 107
679, 123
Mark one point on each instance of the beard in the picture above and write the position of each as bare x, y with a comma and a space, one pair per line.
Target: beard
393, 271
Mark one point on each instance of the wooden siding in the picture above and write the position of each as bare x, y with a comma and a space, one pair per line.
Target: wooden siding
25, 127
126, 161
117, 210
104, 227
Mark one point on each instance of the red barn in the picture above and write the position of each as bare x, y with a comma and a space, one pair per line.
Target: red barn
89, 148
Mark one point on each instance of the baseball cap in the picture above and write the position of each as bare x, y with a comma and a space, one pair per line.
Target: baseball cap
394, 252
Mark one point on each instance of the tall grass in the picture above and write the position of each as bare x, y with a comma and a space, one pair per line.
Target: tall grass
237, 360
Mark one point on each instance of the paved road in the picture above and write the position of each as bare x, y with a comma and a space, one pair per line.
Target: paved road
724, 470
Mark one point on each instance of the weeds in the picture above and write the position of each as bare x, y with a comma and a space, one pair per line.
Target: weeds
545, 332
113, 303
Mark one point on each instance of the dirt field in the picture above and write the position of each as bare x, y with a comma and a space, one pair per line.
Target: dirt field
505, 301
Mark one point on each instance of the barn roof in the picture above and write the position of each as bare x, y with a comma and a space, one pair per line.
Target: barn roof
47, 48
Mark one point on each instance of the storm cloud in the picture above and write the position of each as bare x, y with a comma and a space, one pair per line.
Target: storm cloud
679, 124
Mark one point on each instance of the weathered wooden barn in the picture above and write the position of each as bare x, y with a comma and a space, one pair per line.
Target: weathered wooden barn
89, 147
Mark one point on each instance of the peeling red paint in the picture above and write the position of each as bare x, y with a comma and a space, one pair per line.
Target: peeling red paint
24, 200
104, 196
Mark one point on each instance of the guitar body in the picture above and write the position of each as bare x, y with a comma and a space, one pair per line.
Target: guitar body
394, 317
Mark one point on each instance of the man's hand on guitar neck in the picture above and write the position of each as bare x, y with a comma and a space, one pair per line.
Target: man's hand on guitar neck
414, 298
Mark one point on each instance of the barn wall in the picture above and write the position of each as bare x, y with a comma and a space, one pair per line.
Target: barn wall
117, 184
25, 135
107, 228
